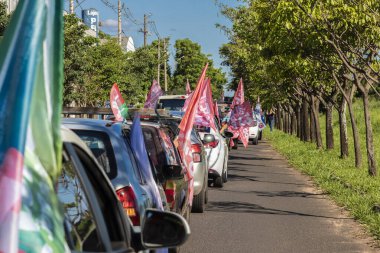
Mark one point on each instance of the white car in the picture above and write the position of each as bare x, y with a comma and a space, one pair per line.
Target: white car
217, 155
254, 132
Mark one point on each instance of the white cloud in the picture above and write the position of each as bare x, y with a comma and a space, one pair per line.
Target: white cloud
109, 23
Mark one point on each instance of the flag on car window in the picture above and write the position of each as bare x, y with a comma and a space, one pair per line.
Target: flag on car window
205, 114
188, 89
119, 107
154, 94
186, 127
239, 95
139, 149
31, 77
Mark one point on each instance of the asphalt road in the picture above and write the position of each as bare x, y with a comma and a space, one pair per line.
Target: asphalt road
269, 207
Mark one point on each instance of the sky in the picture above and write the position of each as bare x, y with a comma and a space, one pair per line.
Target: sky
177, 19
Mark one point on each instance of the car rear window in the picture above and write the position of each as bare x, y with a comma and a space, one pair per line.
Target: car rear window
101, 147
173, 104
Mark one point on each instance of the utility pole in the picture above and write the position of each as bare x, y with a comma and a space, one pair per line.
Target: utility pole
71, 6
119, 21
158, 65
145, 28
165, 75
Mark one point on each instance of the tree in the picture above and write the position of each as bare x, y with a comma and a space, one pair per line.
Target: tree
4, 17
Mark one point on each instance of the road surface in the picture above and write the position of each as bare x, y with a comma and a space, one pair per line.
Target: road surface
269, 207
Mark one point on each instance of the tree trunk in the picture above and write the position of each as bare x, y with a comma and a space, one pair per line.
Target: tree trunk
355, 133
312, 125
305, 120
294, 124
369, 136
343, 130
317, 127
279, 120
329, 127
298, 115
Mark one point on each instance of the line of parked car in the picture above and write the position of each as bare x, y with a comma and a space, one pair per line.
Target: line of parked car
107, 201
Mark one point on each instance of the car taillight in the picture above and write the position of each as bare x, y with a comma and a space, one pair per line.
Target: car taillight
212, 144
127, 198
170, 188
197, 150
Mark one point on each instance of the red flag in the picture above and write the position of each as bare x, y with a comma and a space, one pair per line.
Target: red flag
205, 113
119, 108
186, 125
188, 89
239, 95
154, 94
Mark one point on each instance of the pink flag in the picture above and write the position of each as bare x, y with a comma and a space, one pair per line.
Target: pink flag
154, 94
188, 89
239, 95
185, 127
119, 107
205, 113
241, 120
216, 111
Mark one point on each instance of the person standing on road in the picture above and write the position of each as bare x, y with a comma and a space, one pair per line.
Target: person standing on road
271, 119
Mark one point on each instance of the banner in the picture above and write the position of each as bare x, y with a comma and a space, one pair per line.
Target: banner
154, 94
31, 86
118, 106
186, 126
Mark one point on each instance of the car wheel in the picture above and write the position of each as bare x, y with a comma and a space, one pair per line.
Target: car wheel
199, 201
218, 182
255, 141
225, 174
260, 135
235, 144
206, 195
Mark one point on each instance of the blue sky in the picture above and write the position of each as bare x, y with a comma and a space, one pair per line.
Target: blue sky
179, 19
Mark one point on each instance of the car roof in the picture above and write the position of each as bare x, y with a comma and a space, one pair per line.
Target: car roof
69, 136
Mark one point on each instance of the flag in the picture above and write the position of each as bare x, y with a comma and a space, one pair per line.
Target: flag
242, 116
205, 114
154, 94
188, 89
31, 77
216, 110
239, 95
185, 128
139, 149
119, 107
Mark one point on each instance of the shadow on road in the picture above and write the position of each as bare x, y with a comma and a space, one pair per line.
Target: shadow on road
286, 194
244, 207
252, 158
234, 177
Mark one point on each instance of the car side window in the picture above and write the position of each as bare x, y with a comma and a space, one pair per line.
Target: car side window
81, 230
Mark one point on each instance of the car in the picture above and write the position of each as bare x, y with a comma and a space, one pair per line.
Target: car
200, 165
168, 164
94, 219
109, 143
217, 153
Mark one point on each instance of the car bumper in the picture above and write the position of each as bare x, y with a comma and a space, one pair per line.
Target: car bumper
200, 175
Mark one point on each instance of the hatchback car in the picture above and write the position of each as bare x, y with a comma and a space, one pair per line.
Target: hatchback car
94, 220
168, 164
109, 143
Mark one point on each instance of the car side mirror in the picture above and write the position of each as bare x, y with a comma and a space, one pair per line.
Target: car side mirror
161, 229
207, 138
173, 172
228, 134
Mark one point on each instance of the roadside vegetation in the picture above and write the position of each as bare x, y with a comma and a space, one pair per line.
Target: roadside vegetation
350, 187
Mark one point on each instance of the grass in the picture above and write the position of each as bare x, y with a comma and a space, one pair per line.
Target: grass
348, 186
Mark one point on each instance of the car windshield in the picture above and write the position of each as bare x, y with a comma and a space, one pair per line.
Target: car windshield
173, 104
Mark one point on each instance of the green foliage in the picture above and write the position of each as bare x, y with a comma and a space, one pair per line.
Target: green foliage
350, 187
189, 64
4, 17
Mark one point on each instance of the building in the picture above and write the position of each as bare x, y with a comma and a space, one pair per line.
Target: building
11, 5
127, 44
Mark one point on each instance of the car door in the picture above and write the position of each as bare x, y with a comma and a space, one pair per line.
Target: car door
94, 220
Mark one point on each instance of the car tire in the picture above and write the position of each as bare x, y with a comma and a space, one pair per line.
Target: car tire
260, 135
235, 146
225, 173
199, 204
255, 141
218, 182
